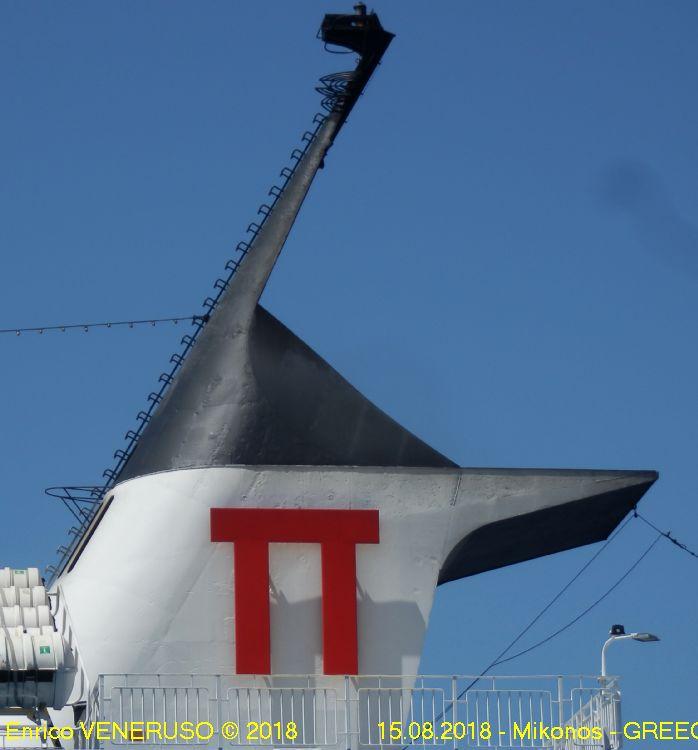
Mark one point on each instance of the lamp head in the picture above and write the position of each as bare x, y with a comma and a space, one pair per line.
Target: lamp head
645, 637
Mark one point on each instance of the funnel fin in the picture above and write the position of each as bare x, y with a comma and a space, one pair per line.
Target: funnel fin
261, 396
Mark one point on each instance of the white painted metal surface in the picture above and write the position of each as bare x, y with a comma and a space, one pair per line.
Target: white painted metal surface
152, 594
34, 660
20, 577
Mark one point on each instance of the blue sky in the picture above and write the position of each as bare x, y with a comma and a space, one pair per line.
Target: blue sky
502, 253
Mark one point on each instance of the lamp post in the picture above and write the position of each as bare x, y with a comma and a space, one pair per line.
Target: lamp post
618, 634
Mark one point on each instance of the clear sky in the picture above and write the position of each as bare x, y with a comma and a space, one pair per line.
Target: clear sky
502, 253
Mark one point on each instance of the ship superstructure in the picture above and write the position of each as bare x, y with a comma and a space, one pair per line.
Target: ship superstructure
290, 535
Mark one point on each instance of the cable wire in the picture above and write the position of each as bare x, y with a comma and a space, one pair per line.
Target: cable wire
665, 534
557, 596
582, 614
109, 324
588, 609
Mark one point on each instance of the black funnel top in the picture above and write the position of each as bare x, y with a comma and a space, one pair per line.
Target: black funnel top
250, 391
262, 396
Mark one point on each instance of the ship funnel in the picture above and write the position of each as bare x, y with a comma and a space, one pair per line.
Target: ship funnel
250, 391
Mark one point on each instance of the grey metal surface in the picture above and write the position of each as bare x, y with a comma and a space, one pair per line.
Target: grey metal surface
250, 392
560, 510
258, 395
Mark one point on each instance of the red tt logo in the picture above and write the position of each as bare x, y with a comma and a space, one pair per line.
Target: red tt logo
338, 532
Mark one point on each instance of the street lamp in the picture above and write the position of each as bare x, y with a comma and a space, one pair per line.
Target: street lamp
618, 634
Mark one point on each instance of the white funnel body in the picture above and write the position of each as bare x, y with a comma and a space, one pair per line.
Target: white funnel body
151, 593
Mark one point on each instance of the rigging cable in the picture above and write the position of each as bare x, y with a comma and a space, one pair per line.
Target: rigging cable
498, 660
588, 609
557, 596
636, 514
665, 534
108, 324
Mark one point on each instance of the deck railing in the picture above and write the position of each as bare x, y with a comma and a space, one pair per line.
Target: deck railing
394, 712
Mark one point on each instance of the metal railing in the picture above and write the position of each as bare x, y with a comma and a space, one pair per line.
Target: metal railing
121, 456
289, 711
334, 91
